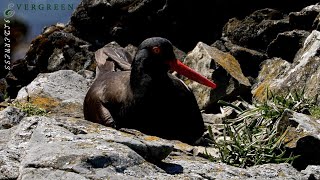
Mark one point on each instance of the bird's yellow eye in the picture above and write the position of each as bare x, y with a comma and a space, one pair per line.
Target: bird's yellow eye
156, 50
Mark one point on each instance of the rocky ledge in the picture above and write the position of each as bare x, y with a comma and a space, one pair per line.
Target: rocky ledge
52, 148
56, 146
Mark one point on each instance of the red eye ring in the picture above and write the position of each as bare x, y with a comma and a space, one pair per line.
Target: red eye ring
156, 50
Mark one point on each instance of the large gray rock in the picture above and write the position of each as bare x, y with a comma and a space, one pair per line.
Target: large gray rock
219, 66
201, 169
61, 93
312, 172
40, 148
282, 77
68, 148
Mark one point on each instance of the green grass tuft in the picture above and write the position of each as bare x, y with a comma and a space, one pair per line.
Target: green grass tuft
315, 111
252, 137
30, 109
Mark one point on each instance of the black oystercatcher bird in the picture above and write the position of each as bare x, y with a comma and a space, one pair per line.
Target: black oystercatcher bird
148, 98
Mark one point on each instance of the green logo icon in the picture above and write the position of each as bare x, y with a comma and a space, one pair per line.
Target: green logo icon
9, 12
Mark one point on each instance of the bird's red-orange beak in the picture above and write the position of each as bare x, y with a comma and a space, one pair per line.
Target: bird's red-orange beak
184, 70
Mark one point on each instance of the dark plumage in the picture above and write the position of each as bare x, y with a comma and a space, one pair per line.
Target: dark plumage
147, 98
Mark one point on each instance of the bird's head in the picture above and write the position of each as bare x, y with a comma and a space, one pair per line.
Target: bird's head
155, 56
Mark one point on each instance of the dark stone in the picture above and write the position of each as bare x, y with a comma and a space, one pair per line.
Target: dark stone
248, 59
185, 24
20, 75
10, 117
307, 148
305, 18
74, 52
99, 162
3, 89
257, 30
287, 44
219, 44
